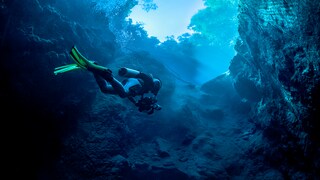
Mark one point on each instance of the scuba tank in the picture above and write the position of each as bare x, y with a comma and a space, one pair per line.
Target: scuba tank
127, 72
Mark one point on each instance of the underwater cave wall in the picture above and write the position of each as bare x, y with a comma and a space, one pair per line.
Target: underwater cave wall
39, 109
277, 69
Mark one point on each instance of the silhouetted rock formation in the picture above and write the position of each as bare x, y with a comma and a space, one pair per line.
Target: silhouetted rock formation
277, 68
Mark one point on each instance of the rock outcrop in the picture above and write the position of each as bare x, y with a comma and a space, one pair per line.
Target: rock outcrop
277, 69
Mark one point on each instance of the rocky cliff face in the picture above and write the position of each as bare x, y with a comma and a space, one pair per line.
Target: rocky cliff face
277, 69
64, 128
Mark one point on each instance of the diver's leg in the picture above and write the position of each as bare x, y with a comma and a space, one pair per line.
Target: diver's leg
105, 73
104, 87
100, 70
118, 87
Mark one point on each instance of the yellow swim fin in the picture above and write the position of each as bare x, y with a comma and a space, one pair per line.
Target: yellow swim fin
65, 68
83, 62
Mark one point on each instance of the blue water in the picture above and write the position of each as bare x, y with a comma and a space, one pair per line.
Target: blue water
63, 127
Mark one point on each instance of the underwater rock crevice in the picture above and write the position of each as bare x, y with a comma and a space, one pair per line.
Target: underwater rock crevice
282, 40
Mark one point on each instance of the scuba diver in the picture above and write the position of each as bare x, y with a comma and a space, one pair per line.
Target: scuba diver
136, 83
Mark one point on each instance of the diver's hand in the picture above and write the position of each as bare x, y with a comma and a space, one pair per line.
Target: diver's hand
157, 107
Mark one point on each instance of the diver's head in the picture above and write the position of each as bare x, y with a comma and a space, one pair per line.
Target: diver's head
156, 85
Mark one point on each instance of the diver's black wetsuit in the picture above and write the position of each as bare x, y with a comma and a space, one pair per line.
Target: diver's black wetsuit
137, 85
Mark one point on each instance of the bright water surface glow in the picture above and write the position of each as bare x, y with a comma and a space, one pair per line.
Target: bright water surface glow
171, 18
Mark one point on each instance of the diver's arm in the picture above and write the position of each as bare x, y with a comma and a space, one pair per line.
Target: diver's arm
154, 96
132, 100
147, 79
